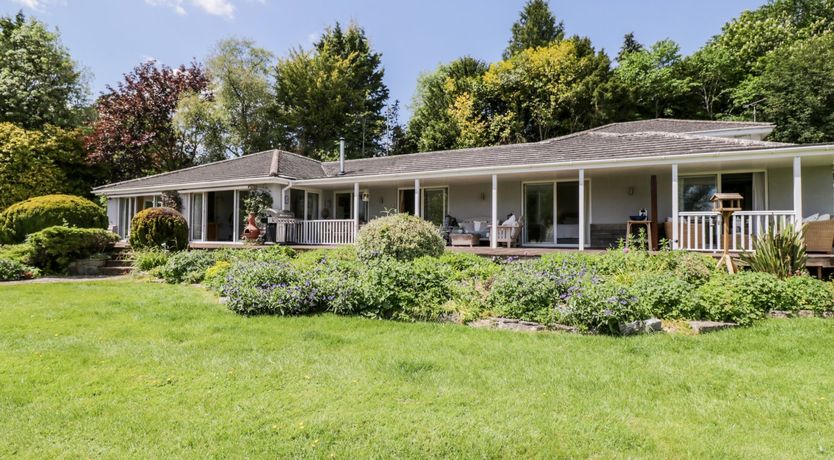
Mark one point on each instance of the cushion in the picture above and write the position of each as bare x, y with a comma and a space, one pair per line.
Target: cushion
510, 221
811, 218
823, 217
468, 227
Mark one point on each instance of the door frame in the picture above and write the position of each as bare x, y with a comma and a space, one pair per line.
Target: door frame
588, 215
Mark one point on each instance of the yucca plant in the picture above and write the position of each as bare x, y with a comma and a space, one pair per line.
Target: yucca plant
779, 253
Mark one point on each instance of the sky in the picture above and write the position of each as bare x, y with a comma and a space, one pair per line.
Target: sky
110, 37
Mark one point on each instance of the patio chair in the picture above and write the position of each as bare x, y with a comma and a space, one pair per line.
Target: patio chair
509, 234
819, 236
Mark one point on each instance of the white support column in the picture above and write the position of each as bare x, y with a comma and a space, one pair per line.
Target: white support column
236, 216
797, 191
355, 210
417, 212
582, 217
675, 223
493, 232
204, 216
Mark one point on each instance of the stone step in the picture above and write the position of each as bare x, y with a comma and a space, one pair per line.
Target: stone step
115, 271
118, 263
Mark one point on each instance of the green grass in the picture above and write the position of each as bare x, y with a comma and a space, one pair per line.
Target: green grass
131, 369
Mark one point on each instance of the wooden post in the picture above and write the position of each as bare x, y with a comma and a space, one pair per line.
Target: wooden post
653, 217
582, 216
675, 229
493, 232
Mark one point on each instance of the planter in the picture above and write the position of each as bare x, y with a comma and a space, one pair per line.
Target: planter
86, 267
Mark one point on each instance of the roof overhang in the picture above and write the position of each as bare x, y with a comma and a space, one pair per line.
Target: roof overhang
187, 187
733, 132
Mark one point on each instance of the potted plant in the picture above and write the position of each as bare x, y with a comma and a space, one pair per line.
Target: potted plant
255, 204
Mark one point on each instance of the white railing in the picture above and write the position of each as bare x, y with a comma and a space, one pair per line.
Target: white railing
702, 231
324, 232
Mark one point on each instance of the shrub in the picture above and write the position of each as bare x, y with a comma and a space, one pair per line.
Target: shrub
467, 266
522, 290
665, 295
36, 214
256, 288
162, 228
600, 307
741, 298
187, 266
399, 236
147, 260
781, 254
274, 253
12, 270
806, 293
696, 269
21, 253
54, 248
215, 276
413, 290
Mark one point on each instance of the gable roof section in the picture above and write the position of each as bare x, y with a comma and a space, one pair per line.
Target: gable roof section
595, 144
671, 125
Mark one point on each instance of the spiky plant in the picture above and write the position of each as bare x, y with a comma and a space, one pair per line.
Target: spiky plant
779, 253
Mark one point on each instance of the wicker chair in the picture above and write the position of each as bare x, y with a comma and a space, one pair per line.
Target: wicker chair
819, 236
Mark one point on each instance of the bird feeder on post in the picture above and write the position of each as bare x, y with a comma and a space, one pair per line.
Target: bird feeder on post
726, 204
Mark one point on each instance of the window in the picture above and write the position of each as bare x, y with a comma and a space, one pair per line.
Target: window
195, 220
297, 203
434, 205
312, 205
696, 191
344, 207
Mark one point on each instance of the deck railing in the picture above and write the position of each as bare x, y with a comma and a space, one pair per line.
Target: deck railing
315, 232
702, 231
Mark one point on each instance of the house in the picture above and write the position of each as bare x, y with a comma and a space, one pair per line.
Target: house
574, 191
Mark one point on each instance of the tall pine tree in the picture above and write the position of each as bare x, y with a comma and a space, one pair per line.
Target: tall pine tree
536, 26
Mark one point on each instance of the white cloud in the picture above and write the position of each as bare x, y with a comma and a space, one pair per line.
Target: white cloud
37, 5
223, 8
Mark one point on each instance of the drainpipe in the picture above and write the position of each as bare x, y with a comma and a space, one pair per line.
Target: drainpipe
341, 156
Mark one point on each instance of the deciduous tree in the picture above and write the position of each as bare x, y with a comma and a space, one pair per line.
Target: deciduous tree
654, 77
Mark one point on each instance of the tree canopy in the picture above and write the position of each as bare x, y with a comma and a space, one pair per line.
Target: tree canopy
39, 82
536, 26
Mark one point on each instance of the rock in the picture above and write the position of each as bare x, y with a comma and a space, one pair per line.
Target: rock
779, 314
806, 314
508, 324
828, 314
483, 323
652, 325
632, 328
563, 328
223, 300
702, 327
453, 317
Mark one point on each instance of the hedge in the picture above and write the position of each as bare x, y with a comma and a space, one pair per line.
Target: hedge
159, 228
35, 214
54, 248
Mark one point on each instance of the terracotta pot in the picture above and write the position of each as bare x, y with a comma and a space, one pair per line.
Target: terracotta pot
251, 232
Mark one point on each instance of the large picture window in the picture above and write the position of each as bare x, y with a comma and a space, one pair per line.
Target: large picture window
696, 191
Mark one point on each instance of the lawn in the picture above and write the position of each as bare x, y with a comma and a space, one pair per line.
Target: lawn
134, 369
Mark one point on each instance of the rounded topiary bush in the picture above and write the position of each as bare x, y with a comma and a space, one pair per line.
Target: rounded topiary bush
159, 228
38, 213
399, 236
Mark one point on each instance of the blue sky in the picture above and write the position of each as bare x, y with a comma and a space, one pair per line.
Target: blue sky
109, 37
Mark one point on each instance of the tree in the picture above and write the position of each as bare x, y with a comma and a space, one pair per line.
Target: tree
797, 84
713, 72
434, 123
233, 117
335, 90
39, 82
395, 140
543, 92
654, 77
134, 135
630, 45
536, 26
42, 162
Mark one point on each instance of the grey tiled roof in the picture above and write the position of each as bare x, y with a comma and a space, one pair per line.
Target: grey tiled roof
670, 125
596, 144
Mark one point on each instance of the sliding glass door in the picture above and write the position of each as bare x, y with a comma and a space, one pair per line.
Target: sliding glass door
195, 211
551, 213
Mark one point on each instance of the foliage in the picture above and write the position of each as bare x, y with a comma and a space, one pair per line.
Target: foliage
172, 199
41, 162
798, 90
335, 90
535, 27
215, 276
187, 266
399, 236
13, 270
159, 228
740, 298
257, 201
654, 77
523, 291
256, 288
600, 307
630, 45
807, 293
17, 252
466, 266
38, 213
40, 83
406, 290
54, 248
133, 135
232, 117
665, 295
434, 124
779, 253
148, 260
713, 72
